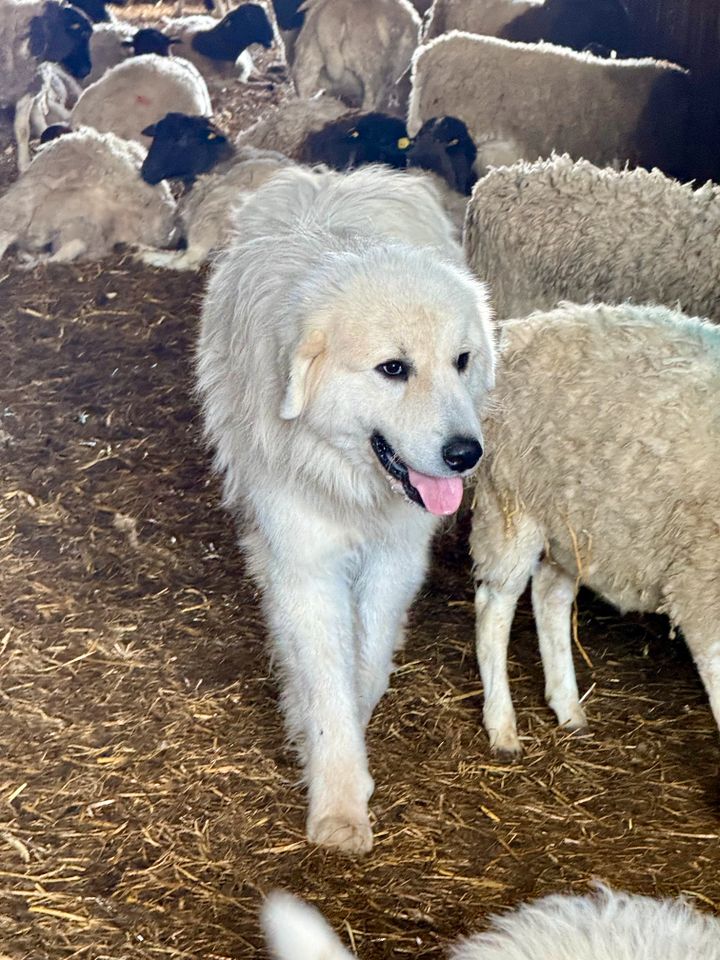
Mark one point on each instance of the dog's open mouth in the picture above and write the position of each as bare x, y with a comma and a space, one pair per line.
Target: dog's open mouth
438, 495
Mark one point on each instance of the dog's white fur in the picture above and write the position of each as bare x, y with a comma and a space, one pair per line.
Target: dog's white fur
330, 275
606, 925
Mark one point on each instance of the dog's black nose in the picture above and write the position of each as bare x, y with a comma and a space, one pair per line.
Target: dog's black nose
462, 453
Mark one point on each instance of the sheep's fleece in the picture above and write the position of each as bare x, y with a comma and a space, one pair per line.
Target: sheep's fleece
603, 440
486, 17
18, 68
521, 101
83, 194
139, 92
556, 230
285, 128
355, 51
604, 925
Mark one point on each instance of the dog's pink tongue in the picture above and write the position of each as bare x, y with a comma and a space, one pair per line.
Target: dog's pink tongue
441, 495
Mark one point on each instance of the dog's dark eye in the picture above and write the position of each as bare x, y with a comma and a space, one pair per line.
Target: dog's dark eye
462, 361
394, 369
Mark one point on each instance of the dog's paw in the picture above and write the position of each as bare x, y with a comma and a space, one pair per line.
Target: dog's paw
351, 835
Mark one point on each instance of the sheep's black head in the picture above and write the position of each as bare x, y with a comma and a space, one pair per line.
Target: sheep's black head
577, 24
54, 131
356, 139
242, 27
62, 35
94, 10
182, 148
149, 40
286, 14
444, 145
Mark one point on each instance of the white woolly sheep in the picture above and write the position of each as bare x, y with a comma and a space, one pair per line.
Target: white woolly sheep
604, 925
603, 439
486, 17
522, 101
556, 230
218, 48
287, 126
139, 92
82, 194
206, 213
112, 43
356, 52
32, 32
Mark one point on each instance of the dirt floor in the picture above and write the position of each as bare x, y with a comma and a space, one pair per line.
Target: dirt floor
147, 799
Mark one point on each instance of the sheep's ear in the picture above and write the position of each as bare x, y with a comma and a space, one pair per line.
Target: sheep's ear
304, 367
149, 131
296, 931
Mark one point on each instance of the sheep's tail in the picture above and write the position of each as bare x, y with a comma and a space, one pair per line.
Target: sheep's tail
296, 931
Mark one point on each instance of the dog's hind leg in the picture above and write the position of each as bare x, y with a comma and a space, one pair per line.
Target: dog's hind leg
391, 575
309, 609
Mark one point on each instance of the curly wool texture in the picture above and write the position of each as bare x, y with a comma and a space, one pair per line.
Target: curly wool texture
356, 52
139, 92
553, 230
85, 189
285, 128
603, 926
536, 98
486, 17
604, 444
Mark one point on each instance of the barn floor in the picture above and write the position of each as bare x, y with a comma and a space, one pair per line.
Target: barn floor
147, 800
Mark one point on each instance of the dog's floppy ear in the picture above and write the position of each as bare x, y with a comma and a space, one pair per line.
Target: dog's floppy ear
307, 355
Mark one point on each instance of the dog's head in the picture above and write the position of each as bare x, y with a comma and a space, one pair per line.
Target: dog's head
394, 361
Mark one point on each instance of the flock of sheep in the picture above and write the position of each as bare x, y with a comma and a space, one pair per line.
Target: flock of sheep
540, 128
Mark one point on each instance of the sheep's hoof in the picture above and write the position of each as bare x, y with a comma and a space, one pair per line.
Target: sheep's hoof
344, 833
506, 746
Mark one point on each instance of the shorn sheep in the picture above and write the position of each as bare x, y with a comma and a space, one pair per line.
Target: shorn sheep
33, 32
220, 48
194, 150
139, 92
556, 230
356, 52
287, 127
522, 101
604, 451
603, 925
81, 195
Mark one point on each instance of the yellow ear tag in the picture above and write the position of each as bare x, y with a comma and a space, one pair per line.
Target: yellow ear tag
453, 143
354, 134
403, 143
212, 136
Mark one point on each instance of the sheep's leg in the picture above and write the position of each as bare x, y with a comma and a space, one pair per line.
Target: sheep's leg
189, 259
706, 655
390, 577
553, 593
69, 250
494, 612
21, 128
5, 240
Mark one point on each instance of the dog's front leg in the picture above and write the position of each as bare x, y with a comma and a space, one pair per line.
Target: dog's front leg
308, 605
392, 572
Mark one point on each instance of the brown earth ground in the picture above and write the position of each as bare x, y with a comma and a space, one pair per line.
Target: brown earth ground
147, 800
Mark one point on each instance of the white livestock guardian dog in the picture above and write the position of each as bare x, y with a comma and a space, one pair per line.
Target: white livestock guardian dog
344, 354
603, 925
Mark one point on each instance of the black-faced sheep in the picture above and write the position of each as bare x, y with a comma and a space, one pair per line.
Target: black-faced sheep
603, 452
602, 25
139, 92
286, 127
356, 52
552, 230
219, 48
522, 101
111, 43
32, 32
81, 195
193, 150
